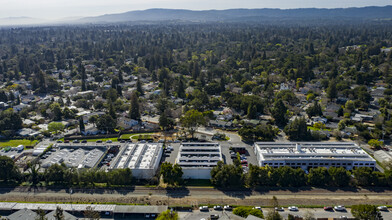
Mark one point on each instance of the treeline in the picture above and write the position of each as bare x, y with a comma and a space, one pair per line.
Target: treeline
60, 174
229, 176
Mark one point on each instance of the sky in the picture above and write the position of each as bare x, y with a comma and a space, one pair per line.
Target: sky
57, 9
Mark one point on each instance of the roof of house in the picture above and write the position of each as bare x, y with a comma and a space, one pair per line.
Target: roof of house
25, 214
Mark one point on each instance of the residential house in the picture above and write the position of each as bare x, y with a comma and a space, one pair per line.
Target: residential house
127, 123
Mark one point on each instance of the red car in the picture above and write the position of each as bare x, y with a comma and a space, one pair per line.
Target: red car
328, 208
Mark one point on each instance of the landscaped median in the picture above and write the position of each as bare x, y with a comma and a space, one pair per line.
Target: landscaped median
137, 136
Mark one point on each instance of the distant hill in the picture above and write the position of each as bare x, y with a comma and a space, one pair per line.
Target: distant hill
243, 15
20, 21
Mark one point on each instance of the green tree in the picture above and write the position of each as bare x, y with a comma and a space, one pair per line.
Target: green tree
297, 130
364, 176
252, 111
273, 215
9, 120
55, 173
171, 174
224, 175
81, 125
191, 120
318, 176
120, 177
40, 215
8, 170
314, 110
139, 87
57, 113
279, 113
165, 122
55, 127
365, 212
59, 214
168, 215
375, 144
106, 123
246, 211
34, 174
112, 110
257, 176
134, 111
332, 92
68, 114
339, 176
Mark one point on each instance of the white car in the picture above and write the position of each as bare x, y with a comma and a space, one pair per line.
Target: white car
339, 208
293, 208
217, 207
257, 207
203, 208
279, 209
382, 208
227, 208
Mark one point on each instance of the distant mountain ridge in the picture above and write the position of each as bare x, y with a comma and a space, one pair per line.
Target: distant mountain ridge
229, 15
364, 13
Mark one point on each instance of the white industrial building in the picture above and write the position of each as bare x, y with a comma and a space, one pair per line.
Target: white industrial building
198, 159
75, 157
308, 155
142, 158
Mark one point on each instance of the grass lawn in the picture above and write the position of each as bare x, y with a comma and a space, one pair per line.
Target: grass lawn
15, 143
318, 129
135, 135
102, 139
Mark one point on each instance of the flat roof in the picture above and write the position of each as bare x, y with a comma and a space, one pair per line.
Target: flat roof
311, 150
75, 157
199, 154
82, 207
139, 156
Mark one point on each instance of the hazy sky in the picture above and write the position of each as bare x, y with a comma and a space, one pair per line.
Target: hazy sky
52, 9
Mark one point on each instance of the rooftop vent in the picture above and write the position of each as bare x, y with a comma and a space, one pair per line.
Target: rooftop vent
298, 147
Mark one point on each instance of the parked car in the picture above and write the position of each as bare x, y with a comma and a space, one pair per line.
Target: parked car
84, 141
98, 141
59, 142
257, 207
382, 208
66, 141
215, 216
293, 208
328, 208
340, 208
227, 208
279, 209
342, 217
75, 141
109, 141
170, 148
217, 207
203, 208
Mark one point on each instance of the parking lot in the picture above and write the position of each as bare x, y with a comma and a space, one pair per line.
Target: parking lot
225, 146
170, 156
250, 155
317, 213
